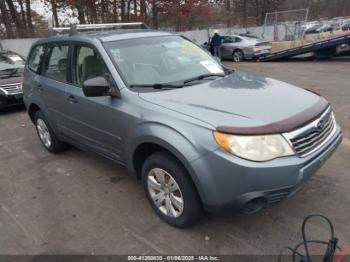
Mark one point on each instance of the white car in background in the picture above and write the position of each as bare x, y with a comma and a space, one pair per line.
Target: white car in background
242, 47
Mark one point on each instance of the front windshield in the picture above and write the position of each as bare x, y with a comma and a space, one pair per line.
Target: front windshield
159, 60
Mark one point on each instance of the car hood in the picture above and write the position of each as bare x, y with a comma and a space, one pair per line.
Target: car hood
239, 99
6, 66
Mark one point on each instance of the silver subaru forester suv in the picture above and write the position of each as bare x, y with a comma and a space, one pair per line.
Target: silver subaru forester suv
199, 136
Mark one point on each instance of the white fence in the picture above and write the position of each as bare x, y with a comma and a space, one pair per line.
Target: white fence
201, 36
22, 46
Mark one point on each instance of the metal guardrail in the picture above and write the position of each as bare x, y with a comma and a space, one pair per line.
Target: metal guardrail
74, 28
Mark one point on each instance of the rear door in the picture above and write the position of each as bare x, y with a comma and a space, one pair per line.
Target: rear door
91, 121
227, 46
55, 81
32, 74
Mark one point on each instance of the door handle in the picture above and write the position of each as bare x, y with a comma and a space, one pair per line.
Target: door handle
71, 99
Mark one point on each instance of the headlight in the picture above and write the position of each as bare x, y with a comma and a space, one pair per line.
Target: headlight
256, 148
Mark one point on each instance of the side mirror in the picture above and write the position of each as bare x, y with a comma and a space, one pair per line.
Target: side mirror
97, 86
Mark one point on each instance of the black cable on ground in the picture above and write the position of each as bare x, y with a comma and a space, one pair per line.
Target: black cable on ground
332, 244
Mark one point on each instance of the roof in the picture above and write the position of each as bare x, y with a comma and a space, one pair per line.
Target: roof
106, 36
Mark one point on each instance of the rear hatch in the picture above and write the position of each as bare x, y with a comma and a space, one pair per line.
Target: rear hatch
263, 43
262, 47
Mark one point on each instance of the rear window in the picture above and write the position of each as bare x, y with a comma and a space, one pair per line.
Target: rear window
36, 58
57, 62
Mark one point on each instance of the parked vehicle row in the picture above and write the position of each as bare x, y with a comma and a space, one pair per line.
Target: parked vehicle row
317, 27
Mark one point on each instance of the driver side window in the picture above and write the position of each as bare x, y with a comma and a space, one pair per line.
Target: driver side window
87, 64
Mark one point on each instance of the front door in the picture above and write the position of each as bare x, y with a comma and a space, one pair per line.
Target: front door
227, 46
92, 121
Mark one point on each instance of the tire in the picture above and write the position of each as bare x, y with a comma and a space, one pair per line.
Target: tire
46, 135
237, 56
175, 216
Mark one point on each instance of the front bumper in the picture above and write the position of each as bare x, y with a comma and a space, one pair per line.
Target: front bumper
226, 182
10, 100
251, 53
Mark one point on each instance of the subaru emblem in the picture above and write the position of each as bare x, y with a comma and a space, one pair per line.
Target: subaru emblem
320, 125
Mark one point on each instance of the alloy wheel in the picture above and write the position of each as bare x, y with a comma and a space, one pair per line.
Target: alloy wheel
165, 192
237, 56
44, 132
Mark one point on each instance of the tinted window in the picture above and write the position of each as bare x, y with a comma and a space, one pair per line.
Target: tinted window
228, 39
87, 64
56, 67
232, 39
36, 58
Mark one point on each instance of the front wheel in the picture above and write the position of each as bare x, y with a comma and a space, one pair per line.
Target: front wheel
170, 190
238, 56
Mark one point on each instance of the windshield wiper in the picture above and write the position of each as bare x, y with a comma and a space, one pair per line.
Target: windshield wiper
201, 77
185, 82
158, 86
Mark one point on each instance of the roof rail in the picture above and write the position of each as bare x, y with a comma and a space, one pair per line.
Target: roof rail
73, 29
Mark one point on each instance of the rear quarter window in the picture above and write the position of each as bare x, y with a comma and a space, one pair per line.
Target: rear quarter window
35, 59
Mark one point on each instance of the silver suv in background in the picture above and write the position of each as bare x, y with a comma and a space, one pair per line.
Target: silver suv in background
198, 136
11, 69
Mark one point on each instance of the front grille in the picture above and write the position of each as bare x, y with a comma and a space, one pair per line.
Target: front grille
310, 137
11, 89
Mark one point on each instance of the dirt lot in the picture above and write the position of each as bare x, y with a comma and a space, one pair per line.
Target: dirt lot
75, 203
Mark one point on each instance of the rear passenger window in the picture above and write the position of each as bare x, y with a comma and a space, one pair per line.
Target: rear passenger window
56, 66
36, 58
87, 64
228, 39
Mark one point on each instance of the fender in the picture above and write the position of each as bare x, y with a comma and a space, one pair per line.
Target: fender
167, 137
44, 110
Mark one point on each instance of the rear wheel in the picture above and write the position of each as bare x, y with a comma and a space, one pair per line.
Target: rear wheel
237, 56
46, 134
170, 190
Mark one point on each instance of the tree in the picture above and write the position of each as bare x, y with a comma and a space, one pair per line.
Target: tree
122, 8
54, 12
24, 22
143, 9
6, 19
29, 18
15, 18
